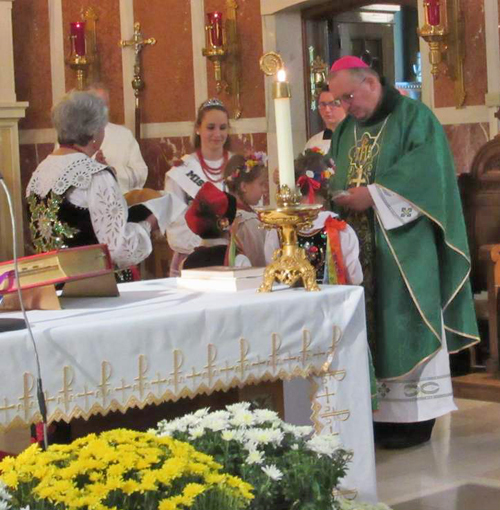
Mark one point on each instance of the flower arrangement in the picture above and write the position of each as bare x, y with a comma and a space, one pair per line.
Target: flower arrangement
251, 161
119, 470
288, 467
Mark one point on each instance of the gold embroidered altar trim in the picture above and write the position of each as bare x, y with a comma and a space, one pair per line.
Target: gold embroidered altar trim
110, 393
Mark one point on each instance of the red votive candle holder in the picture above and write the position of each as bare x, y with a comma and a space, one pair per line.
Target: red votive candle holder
433, 12
77, 31
215, 22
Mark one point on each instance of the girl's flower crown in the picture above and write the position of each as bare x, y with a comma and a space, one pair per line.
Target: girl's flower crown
314, 179
254, 159
324, 175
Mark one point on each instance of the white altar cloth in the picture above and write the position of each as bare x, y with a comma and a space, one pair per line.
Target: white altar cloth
156, 343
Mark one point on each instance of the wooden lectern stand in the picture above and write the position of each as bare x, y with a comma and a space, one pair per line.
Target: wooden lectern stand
86, 271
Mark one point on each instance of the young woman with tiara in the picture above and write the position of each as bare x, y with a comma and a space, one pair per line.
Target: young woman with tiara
245, 178
331, 245
205, 164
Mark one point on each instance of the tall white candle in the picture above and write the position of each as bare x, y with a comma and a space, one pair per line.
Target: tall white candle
284, 131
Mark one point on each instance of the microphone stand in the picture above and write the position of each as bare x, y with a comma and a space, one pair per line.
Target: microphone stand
39, 387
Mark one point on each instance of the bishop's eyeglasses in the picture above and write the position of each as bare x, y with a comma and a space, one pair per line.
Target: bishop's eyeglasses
347, 98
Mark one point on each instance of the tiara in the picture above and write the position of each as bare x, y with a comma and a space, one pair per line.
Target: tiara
254, 159
213, 101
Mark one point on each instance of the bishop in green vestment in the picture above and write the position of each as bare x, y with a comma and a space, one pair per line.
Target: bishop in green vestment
392, 155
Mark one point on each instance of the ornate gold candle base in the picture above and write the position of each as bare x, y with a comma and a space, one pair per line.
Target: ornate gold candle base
80, 64
290, 264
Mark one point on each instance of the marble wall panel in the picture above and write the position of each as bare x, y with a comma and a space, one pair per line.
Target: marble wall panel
249, 24
465, 140
30, 25
167, 66
475, 75
110, 54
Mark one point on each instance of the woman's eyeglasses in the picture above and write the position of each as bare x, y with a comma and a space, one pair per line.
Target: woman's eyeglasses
329, 104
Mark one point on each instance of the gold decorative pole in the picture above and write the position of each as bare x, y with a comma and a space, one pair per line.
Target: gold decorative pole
138, 42
290, 264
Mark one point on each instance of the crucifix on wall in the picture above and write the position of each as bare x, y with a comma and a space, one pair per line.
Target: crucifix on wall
138, 43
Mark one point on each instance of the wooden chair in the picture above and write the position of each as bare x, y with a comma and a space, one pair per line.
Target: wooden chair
158, 263
480, 192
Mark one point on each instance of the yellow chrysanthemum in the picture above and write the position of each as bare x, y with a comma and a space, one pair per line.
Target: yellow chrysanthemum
167, 504
83, 475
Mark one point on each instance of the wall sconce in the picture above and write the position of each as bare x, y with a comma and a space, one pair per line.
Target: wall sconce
318, 74
443, 30
83, 57
222, 46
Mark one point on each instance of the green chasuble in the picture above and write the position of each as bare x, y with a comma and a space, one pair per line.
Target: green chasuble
419, 272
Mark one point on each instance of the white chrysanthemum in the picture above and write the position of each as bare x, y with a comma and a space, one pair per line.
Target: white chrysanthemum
294, 446
264, 436
243, 418
239, 406
4, 505
249, 445
215, 421
4, 492
266, 415
27, 507
177, 425
190, 420
255, 457
196, 432
273, 472
324, 444
228, 435
297, 431
201, 413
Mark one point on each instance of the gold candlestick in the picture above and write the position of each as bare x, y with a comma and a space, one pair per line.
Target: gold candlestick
290, 264
80, 64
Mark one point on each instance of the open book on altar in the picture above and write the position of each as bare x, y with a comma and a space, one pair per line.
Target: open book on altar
221, 278
85, 271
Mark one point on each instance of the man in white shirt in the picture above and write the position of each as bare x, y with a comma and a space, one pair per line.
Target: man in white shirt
121, 151
332, 115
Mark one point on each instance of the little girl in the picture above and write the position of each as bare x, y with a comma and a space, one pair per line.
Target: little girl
210, 216
245, 178
331, 245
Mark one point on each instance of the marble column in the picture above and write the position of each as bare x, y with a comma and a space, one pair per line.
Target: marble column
11, 111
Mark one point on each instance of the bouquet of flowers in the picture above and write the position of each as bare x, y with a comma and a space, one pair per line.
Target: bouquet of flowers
288, 467
120, 470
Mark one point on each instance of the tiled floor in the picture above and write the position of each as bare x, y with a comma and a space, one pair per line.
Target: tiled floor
459, 469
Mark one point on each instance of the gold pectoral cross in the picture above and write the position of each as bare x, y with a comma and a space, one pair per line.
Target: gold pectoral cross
359, 179
362, 156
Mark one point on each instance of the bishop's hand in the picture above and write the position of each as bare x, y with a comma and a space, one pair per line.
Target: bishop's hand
359, 199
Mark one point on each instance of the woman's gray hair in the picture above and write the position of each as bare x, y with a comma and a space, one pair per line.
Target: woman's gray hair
78, 117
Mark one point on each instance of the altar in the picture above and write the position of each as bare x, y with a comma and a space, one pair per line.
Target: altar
156, 343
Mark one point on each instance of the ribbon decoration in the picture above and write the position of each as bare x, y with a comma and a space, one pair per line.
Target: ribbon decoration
312, 187
336, 271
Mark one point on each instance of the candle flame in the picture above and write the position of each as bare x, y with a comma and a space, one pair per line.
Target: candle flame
281, 75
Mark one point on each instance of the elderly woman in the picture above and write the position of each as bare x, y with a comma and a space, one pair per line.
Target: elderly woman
75, 200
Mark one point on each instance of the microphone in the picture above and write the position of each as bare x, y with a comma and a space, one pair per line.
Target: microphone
25, 323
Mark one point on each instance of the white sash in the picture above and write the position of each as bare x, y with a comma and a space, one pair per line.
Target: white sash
189, 178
